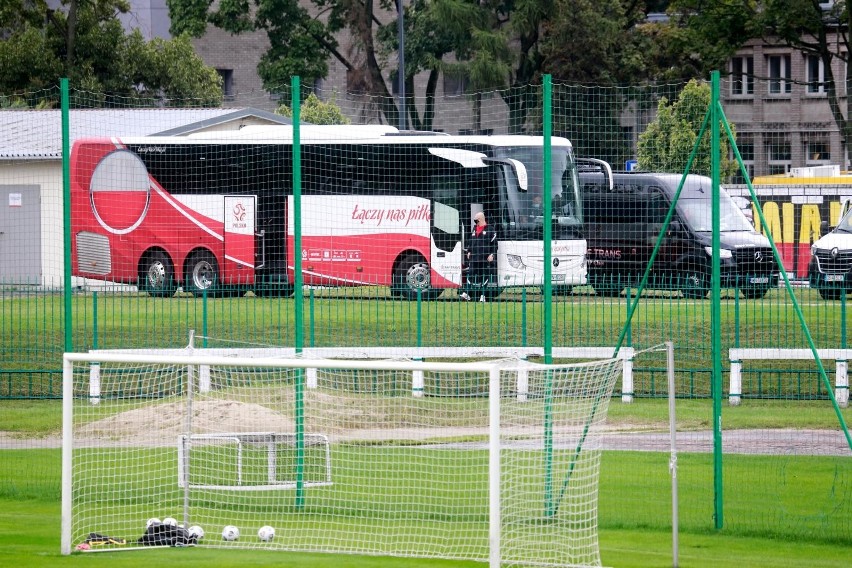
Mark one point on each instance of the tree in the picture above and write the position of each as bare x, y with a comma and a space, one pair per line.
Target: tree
606, 55
717, 28
303, 36
667, 143
316, 111
89, 46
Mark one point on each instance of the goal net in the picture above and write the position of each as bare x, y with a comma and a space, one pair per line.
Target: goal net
497, 461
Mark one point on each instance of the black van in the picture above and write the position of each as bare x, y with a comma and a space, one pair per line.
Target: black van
622, 225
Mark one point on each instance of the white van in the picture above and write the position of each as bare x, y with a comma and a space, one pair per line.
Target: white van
830, 269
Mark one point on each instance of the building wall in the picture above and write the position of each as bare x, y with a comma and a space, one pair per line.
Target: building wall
48, 175
236, 58
798, 120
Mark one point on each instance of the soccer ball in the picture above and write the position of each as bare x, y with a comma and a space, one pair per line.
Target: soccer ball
230, 532
170, 522
196, 531
152, 521
266, 533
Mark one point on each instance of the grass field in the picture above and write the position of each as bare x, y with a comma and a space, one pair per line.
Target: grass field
635, 506
29, 536
779, 510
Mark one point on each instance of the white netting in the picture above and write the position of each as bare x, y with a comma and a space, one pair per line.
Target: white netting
357, 464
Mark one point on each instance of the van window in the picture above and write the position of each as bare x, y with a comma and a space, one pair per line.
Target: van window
658, 208
617, 208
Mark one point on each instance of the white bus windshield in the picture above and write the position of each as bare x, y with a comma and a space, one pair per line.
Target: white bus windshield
526, 208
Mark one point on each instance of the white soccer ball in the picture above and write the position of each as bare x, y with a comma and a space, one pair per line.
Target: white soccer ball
152, 521
266, 533
196, 531
170, 522
230, 532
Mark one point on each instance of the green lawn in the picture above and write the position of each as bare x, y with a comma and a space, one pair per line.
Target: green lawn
29, 530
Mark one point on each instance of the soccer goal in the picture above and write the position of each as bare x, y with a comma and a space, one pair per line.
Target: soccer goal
497, 462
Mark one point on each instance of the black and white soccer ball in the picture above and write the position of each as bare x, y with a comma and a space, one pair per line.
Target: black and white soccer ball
196, 531
230, 533
266, 533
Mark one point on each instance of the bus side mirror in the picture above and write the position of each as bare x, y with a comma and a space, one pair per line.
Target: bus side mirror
675, 228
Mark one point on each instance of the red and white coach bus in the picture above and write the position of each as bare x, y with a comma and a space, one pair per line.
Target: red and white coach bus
215, 213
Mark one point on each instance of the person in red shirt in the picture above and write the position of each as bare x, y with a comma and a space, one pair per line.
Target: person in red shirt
481, 257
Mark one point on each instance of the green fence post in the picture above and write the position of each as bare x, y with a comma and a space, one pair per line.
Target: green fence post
715, 306
295, 98
311, 318
66, 215
204, 319
547, 89
548, 299
94, 320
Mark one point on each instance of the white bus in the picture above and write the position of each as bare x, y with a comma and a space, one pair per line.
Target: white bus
215, 212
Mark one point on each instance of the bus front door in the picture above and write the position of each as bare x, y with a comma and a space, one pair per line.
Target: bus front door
446, 246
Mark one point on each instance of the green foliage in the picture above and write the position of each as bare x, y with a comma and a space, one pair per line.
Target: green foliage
28, 62
101, 58
173, 69
316, 111
300, 44
667, 143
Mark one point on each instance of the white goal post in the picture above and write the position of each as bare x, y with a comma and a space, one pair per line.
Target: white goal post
354, 465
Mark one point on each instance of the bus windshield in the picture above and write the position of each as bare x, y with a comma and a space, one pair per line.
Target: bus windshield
526, 208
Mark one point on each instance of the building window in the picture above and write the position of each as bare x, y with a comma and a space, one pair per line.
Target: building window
817, 152
454, 85
779, 156
779, 74
742, 76
816, 74
227, 76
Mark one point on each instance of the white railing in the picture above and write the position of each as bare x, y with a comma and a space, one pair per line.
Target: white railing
736, 356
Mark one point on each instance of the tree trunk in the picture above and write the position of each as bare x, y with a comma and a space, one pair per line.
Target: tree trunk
71, 37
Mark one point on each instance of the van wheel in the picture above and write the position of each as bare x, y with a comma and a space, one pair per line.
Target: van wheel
607, 286
157, 274
755, 293
413, 274
831, 293
694, 285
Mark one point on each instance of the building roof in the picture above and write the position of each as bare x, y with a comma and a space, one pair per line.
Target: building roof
37, 134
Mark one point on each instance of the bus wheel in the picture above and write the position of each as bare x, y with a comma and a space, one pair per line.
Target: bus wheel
413, 274
202, 274
157, 274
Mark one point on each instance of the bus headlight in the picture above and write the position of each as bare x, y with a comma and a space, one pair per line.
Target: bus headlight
723, 253
515, 261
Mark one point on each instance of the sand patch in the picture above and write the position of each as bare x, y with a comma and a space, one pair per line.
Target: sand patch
161, 424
